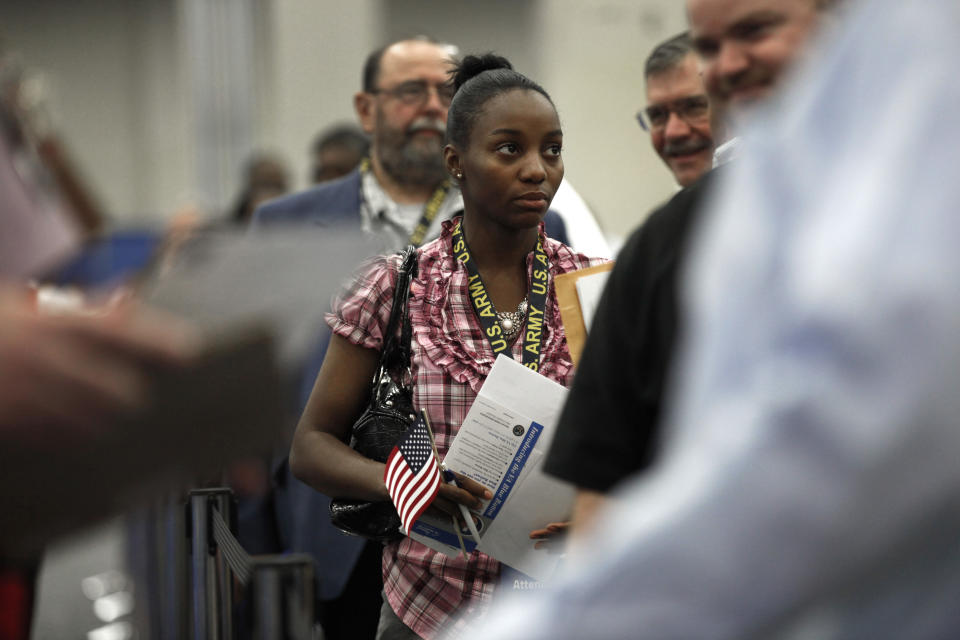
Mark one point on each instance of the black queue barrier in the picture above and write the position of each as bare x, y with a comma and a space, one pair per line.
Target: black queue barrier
280, 586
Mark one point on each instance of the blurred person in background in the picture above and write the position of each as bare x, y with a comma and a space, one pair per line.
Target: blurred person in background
265, 177
337, 151
745, 46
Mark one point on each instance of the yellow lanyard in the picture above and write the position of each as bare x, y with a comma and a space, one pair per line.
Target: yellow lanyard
536, 302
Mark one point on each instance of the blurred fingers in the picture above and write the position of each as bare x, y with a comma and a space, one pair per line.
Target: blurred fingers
138, 332
552, 530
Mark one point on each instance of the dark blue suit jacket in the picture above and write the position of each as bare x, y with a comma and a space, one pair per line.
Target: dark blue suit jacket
303, 521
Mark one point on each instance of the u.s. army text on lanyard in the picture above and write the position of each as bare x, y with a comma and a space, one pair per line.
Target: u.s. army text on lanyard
536, 302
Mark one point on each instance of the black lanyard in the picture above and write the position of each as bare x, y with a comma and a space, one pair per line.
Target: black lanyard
430, 209
536, 302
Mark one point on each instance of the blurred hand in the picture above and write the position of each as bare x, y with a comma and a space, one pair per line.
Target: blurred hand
551, 538
73, 375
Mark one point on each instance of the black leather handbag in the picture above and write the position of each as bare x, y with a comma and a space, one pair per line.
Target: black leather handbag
385, 419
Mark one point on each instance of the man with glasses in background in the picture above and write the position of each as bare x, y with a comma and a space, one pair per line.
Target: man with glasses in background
743, 50
678, 112
637, 318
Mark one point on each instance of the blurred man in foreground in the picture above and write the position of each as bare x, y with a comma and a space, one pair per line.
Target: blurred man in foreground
65, 382
639, 317
809, 486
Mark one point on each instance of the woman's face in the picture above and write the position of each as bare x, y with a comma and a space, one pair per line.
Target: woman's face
512, 166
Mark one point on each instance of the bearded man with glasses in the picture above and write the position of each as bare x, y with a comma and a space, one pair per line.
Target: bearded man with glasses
403, 106
409, 151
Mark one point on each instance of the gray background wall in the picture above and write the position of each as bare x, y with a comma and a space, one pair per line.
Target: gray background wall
160, 100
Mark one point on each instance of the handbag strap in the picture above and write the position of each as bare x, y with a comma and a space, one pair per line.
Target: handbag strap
396, 356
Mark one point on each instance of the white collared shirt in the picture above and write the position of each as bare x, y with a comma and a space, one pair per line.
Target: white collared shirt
394, 223
726, 152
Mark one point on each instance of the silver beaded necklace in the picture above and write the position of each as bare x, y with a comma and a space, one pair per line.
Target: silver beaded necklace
512, 321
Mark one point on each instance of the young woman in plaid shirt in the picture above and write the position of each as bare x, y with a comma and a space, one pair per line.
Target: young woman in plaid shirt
504, 152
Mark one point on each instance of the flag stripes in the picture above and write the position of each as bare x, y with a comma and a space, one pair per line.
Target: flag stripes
412, 475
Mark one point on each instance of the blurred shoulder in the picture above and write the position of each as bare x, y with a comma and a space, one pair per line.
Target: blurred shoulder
333, 201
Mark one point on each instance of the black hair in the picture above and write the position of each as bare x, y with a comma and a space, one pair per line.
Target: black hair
668, 54
371, 66
476, 80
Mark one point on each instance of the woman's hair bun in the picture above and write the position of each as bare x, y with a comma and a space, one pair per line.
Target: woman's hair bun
476, 80
472, 66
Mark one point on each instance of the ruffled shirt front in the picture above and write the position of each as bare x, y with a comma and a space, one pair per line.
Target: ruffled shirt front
451, 358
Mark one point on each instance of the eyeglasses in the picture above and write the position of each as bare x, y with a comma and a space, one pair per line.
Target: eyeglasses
691, 110
415, 92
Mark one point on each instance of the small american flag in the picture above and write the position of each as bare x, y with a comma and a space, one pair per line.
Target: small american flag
412, 474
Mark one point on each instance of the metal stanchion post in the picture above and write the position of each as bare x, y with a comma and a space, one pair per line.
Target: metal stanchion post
283, 597
206, 567
199, 532
223, 593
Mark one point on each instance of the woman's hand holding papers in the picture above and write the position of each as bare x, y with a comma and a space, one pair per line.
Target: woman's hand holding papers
466, 492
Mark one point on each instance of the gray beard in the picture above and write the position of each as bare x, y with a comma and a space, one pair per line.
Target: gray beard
407, 162
411, 166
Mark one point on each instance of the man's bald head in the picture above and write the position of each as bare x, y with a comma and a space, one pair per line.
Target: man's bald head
374, 61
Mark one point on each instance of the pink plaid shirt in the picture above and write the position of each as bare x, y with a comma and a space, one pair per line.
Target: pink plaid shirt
451, 359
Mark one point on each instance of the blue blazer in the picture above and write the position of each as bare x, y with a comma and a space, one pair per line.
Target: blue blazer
329, 204
302, 514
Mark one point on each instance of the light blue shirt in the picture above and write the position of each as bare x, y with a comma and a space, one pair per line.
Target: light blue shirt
810, 486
